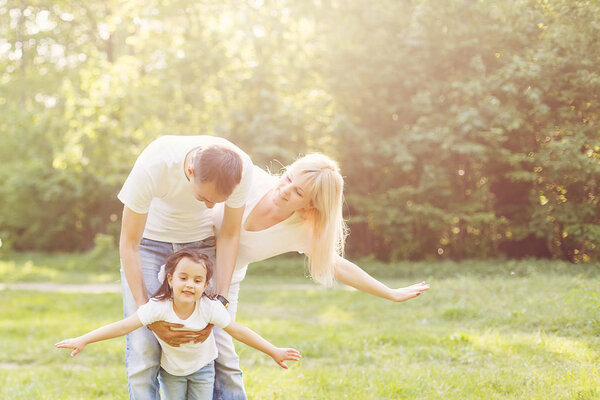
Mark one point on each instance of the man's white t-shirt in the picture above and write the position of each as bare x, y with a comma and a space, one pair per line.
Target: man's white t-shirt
189, 357
291, 235
157, 186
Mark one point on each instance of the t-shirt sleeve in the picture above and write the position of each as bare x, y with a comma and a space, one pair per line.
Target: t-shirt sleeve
137, 191
219, 315
240, 193
151, 312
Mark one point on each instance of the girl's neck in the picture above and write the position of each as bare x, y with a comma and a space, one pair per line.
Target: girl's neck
183, 310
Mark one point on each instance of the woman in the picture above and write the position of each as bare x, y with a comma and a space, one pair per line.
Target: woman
300, 211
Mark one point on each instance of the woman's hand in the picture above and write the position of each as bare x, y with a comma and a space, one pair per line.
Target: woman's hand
409, 292
77, 344
174, 336
282, 354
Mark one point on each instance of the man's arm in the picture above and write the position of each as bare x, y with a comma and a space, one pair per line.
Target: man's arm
228, 241
132, 229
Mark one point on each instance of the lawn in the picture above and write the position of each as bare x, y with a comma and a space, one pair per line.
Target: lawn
486, 330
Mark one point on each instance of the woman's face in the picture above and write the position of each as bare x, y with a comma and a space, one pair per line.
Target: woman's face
291, 193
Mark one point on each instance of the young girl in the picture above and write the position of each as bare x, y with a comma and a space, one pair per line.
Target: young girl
186, 371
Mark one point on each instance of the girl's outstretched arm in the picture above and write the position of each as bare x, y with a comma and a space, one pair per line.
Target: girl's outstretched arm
352, 275
251, 338
110, 331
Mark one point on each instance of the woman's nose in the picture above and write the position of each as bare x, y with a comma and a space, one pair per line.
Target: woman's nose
286, 188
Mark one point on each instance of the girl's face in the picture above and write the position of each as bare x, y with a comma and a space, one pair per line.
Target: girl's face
291, 193
188, 280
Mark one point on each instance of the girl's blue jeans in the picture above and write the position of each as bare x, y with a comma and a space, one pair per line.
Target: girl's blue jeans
196, 386
142, 355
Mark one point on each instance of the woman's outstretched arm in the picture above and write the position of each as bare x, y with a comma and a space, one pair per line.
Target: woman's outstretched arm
352, 275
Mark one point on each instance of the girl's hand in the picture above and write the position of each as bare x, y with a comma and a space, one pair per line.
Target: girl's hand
409, 292
76, 344
282, 354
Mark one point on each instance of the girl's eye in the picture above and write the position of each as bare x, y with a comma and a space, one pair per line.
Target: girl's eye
298, 193
198, 281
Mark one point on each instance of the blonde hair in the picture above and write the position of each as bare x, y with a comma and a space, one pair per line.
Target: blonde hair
326, 187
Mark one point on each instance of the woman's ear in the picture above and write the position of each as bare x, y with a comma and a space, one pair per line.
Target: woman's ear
170, 280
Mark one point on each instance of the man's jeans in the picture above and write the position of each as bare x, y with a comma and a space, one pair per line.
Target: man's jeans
142, 355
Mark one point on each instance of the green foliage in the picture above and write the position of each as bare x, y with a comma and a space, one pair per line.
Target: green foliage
463, 128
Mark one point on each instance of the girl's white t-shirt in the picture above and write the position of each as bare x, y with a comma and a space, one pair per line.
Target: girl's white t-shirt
293, 234
157, 186
190, 357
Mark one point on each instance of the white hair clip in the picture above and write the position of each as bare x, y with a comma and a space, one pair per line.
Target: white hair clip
161, 274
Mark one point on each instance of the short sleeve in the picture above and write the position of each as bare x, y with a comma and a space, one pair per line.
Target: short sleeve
136, 193
219, 315
151, 312
240, 193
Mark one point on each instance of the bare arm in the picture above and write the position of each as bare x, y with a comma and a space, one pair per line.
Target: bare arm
352, 275
251, 338
228, 241
110, 331
132, 229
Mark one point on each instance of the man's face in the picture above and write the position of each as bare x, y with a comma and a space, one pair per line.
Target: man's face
207, 192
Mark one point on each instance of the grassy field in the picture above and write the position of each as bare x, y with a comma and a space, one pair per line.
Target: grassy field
485, 330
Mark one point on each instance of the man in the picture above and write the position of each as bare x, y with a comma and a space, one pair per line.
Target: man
167, 197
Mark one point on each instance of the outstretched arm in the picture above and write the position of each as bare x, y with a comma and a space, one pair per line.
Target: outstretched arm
110, 331
351, 274
251, 338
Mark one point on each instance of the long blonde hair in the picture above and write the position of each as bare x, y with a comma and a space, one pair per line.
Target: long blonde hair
326, 187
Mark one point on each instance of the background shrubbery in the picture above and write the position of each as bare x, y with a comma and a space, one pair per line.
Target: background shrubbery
464, 128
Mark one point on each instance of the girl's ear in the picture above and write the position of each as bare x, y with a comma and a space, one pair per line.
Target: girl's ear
170, 280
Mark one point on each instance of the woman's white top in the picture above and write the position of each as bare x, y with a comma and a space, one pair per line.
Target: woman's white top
293, 234
189, 357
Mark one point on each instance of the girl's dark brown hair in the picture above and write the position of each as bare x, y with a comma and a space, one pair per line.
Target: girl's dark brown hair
165, 292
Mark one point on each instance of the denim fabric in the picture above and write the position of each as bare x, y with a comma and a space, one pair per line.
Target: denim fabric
229, 384
196, 386
142, 355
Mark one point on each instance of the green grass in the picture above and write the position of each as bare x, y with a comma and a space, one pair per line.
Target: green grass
60, 267
485, 330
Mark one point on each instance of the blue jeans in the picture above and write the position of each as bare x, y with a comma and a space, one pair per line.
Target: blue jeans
196, 386
229, 384
142, 355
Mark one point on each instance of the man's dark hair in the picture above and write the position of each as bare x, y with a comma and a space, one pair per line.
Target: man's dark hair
220, 165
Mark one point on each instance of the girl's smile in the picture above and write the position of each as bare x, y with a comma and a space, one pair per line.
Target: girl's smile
188, 281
